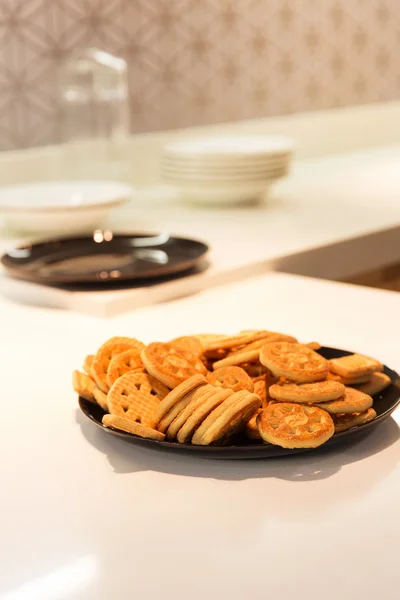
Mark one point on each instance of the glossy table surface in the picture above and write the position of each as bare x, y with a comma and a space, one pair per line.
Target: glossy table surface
89, 517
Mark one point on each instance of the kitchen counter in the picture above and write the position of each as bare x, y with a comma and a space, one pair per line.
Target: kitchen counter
347, 204
89, 517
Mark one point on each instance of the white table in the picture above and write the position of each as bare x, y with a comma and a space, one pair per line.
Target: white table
89, 517
345, 203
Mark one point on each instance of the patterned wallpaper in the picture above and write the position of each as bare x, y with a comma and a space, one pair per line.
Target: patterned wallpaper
198, 61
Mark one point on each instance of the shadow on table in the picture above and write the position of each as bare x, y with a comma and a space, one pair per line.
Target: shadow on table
320, 463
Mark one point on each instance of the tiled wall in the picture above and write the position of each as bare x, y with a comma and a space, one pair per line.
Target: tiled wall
199, 61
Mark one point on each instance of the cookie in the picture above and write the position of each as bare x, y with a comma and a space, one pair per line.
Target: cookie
347, 421
269, 337
294, 425
130, 397
232, 419
254, 369
353, 401
348, 380
101, 398
251, 429
123, 363
235, 397
197, 397
261, 388
176, 395
83, 386
229, 343
87, 363
313, 345
237, 359
169, 365
210, 402
188, 343
106, 353
175, 411
377, 383
320, 391
234, 378
123, 424
354, 365
295, 361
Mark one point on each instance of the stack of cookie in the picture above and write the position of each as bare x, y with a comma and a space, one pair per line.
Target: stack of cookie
207, 389
310, 401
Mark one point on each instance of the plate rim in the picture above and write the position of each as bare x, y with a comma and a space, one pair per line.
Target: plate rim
183, 266
125, 192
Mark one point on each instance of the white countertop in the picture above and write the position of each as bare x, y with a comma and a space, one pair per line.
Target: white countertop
86, 517
325, 202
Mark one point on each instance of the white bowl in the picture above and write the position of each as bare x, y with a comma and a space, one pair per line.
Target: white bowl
62, 206
234, 176
230, 147
214, 194
238, 163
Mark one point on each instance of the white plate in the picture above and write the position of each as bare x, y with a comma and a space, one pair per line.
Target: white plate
223, 180
230, 147
229, 162
237, 194
213, 168
62, 206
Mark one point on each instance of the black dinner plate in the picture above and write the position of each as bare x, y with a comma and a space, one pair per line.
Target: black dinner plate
384, 404
104, 258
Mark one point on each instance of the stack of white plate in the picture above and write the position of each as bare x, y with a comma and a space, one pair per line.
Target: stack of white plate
226, 169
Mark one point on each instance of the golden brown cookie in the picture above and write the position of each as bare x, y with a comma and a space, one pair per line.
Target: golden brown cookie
348, 380
87, 363
175, 396
106, 353
83, 385
157, 388
123, 363
251, 429
101, 398
347, 421
210, 402
234, 378
169, 365
295, 361
188, 343
229, 343
177, 409
254, 369
310, 393
237, 411
352, 401
377, 383
196, 398
295, 425
270, 336
130, 397
261, 388
123, 424
233, 360
354, 365
313, 345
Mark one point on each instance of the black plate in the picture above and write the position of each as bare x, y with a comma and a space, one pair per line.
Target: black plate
384, 405
104, 258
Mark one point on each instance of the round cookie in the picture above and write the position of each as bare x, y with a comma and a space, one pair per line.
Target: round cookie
169, 365
294, 361
353, 401
295, 425
234, 378
123, 424
310, 393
